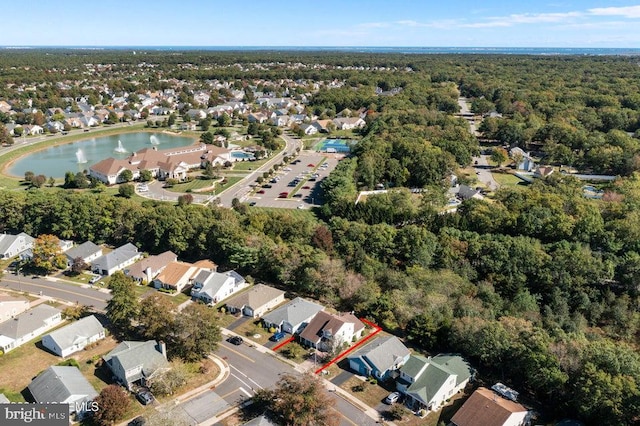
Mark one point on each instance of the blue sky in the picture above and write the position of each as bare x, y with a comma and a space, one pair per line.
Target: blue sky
464, 23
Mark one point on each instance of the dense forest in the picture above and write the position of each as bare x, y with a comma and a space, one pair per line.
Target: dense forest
538, 286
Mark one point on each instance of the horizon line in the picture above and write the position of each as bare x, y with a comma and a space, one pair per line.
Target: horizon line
19, 46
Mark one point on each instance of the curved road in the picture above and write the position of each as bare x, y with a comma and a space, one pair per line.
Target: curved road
58, 290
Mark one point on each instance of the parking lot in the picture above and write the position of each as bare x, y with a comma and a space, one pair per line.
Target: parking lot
305, 173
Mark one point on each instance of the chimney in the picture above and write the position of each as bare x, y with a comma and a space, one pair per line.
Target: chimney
147, 272
163, 348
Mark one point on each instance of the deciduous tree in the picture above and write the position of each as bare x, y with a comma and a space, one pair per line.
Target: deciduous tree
113, 402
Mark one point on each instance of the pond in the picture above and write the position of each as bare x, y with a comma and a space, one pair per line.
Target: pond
78, 156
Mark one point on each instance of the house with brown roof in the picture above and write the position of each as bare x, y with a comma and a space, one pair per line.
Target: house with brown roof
148, 268
175, 276
326, 331
256, 301
487, 408
173, 163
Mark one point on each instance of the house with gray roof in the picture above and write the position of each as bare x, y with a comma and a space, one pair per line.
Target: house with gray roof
11, 306
293, 316
212, 287
87, 251
13, 245
256, 301
380, 358
74, 337
132, 361
148, 268
28, 325
63, 385
428, 382
260, 421
116, 260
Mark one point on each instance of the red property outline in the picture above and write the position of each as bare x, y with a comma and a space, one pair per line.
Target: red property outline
275, 348
351, 349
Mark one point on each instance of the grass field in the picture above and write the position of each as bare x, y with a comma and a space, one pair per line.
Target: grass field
194, 186
248, 165
509, 180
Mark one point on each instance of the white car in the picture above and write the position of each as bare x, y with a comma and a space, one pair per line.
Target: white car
392, 398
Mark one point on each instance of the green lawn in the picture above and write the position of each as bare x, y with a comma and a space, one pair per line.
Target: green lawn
231, 180
194, 185
248, 165
508, 180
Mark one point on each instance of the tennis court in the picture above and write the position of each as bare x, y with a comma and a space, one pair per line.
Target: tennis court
332, 145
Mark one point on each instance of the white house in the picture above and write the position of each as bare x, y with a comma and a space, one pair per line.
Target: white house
349, 123
132, 362
256, 301
428, 382
28, 325
211, 287
116, 260
87, 251
13, 245
74, 337
293, 316
326, 331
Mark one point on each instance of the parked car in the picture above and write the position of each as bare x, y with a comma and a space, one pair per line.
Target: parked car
311, 165
235, 340
266, 185
392, 398
145, 397
261, 191
306, 187
94, 279
253, 203
278, 336
138, 421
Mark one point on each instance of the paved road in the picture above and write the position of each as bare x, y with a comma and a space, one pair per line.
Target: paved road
251, 370
481, 164
58, 290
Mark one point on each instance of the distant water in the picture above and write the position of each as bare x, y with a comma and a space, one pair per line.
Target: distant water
597, 51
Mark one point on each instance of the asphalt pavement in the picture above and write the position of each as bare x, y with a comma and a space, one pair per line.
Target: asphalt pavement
84, 295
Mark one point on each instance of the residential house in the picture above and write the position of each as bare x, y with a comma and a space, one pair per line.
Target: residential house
464, 192
260, 421
28, 325
175, 276
349, 123
485, 407
380, 358
65, 245
74, 337
188, 126
328, 331
11, 306
63, 385
54, 126
13, 245
308, 129
256, 301
132, 362
293, 316
522, 159
211, 287
148, 268
543, 171
428, 382
116, 260
32, 129
87, 251
257, 117
322, 125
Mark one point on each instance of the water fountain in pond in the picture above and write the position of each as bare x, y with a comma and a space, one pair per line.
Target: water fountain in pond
154, 140
120, 148
80, 156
